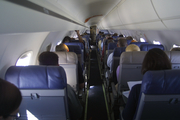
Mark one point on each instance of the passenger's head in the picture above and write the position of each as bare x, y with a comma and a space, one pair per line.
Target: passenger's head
48, 58
121, 35
132, 47
175, 49
66, 39
129, 38
122, 42
10, 100
155, 59
62, 47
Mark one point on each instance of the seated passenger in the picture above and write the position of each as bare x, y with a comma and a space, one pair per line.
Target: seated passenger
10, 100
63, 47
109, 40
121, 43
155, 59
75, 107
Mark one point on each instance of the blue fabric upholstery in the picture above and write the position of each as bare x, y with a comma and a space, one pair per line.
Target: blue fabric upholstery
74, 48
139, 43
129, 41
76, 43
161, 82
146, 47
41, 77
117, 51
111, 46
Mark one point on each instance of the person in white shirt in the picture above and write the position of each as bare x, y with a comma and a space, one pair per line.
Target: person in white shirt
122, 42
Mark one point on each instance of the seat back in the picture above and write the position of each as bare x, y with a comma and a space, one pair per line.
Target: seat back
69, 61
110, 48
43, 90
116, 57
130, 68
160, 99
174, 57
129, 41
146, 47
81, 48
139, 43
77, 50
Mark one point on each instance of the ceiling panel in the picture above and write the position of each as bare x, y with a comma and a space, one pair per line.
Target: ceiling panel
167, 8
136, 11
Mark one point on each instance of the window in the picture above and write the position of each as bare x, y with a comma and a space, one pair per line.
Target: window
59, 43
142, 40
24, 59
174, 46
156, 42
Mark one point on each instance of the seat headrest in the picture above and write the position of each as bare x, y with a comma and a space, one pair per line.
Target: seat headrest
67, 57
174, 56
129, 41
118, 50
37, 77
146, 47
111, 46
139, 43
161, 82
76, 43
74, 48
133, 57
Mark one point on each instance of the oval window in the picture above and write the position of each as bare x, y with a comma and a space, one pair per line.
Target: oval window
24, 59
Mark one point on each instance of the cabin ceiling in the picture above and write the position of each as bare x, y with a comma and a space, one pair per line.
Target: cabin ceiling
81, 10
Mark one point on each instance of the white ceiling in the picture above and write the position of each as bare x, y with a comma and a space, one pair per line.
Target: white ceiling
80, 10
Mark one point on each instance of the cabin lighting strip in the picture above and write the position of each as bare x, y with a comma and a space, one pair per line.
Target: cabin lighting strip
31, 5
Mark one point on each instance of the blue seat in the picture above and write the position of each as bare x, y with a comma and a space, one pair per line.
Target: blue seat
76, 43
160, 96
129, 41
111, 46
146, 47
139, 43
43, 90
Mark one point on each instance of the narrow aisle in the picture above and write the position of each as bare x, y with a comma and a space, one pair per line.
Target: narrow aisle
96, 106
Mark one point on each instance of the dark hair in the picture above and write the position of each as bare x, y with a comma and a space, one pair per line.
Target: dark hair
66, 39
122, 42
48, 58
121, 35
129, 38
155, 59
10, 98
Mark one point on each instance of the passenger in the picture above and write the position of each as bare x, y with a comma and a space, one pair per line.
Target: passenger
121, 35
175, 49
155, 59
66, 39
132, 47
109, 40
75, 107
122, 42
10, 100
62, 47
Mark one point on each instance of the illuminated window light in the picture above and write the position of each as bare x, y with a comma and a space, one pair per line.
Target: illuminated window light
24, 60
59, 43
142, 40
175, 46
156, 42
30, 116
